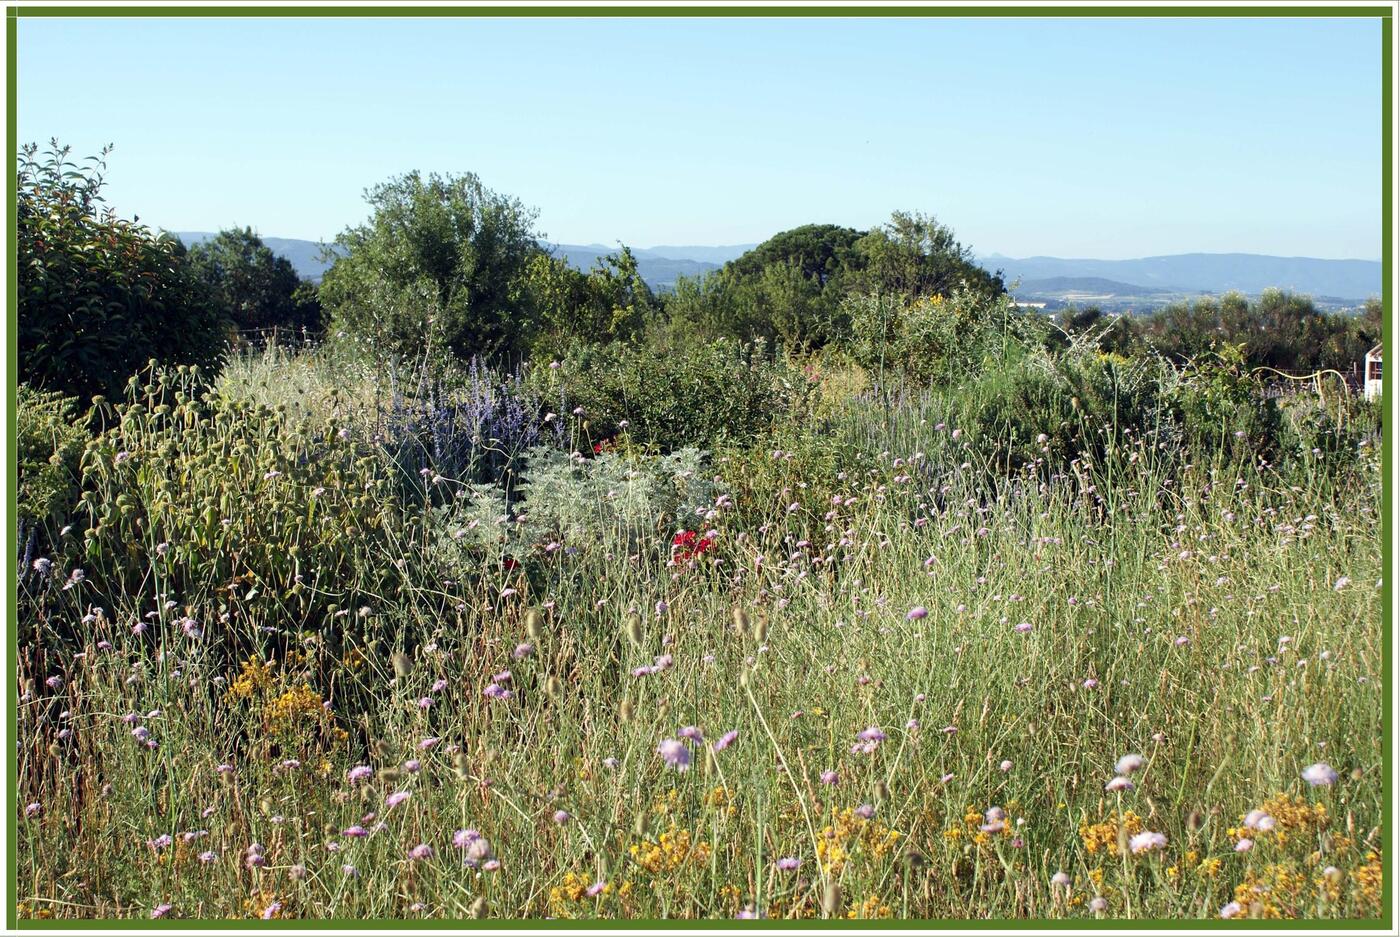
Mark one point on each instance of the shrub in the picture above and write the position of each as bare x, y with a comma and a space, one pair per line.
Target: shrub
49, 439
99, 295
672, 398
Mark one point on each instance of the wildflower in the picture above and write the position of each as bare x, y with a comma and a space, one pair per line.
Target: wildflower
425, 702
271, 910
1098, 904
788, 864
428, 743
865, 811
523, 651
208, 856
359, 773
726, 740
561, 817
1231, 910
674, 753
1320, 775
160, 911
1024, 628
1341, 583
1119, 783
596, 889
1244, 845
32, 810
693, 734
496, 691
1146, 841
1061, 879
1128, 764
421, 852
1005, 765
160, 842
396, 798
915, 613
349, 871
829, 778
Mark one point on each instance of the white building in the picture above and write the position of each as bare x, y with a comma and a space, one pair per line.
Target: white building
1373, 373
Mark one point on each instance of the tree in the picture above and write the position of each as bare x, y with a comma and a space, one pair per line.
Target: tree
611, 302
913, 255
439, 267
99, 296
255, 288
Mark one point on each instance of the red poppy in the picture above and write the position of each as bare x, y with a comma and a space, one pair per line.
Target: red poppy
688, 544
606, 445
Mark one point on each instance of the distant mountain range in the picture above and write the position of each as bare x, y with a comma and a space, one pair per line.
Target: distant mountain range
1145, 283
1176, 275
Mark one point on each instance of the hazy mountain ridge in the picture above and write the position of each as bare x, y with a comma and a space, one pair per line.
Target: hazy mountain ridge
1144, 282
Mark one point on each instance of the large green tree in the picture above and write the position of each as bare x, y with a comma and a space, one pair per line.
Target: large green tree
255, 288
439, 267
99, 295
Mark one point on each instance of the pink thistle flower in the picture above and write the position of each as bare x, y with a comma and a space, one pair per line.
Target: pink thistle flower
674, 753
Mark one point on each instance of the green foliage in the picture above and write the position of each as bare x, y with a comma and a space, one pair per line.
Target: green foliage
438, 269
255, 288
99, 295
671, 398
611, 302
49, 438
936, 337
1223, 408
206, 492
792, 290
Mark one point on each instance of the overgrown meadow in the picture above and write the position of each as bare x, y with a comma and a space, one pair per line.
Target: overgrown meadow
715, 635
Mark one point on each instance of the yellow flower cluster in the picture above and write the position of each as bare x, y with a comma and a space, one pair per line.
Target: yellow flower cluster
1274, 893
254, 680
721, 799
1290, 816
296, 717
868, 909
1111, 834
1368, 881
669, 851
565, 898
849, 832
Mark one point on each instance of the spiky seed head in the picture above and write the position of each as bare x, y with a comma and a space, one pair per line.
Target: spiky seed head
634, 630
390, 775
882, 790
382, 750
741, 620
464, 765
760, 630
402, 663
478, 908
534, 624
624, 712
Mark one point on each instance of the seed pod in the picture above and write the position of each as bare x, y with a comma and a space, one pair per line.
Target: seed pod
553, 685
402, 663
760, 630
634, 630
831, 897
741, 620
382, 750
624, 712
478, 908
534, 624
882, 791
390, 775
463, 765
743, 678
1194, 821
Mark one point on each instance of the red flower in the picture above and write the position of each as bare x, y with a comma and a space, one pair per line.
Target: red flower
606, 445
511, 562
688, 544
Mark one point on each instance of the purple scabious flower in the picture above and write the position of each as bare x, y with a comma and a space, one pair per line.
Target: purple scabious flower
674, 753
726, 740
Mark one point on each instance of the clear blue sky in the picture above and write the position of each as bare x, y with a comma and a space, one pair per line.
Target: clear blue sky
1104, 138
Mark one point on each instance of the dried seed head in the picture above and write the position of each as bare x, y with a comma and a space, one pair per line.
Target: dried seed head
478, 908
624, 712
760, 630
534, 624
1194, 820
831, 897
402, 663
463, 765
634, 630
553, 685
741, 621
382, 750
882, 790
390, 775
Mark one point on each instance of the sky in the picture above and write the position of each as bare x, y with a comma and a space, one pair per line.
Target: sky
1106, 138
